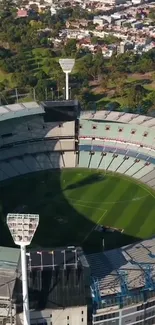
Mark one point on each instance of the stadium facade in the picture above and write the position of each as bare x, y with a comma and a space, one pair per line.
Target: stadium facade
113, 287
123, 285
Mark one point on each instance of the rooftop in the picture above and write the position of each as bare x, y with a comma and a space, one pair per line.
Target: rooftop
62, 277
62, 258
9, 260
20, 109
120, 117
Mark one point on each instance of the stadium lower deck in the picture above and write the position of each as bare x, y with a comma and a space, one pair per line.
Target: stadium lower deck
74, 202
65, 170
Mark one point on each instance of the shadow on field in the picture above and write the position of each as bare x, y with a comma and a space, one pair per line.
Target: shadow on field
89, 180
42, 192
60, 223
118, 239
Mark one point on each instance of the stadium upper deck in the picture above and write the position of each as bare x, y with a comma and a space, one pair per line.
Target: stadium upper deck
30, 121
19, 110
120, 117
59, 112
123, 276
33, 108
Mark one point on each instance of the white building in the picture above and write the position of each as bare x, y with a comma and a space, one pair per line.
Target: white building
98, 20
110, 2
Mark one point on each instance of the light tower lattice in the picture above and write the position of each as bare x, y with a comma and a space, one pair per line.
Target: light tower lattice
22, 228
67, 67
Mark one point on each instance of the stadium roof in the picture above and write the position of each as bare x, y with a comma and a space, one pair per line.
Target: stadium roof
132, 266
32, 108
63, 103
120, 117
60, 277
9, 260
61, 257
19, 110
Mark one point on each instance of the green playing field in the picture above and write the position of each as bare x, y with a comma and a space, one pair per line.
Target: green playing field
72, 202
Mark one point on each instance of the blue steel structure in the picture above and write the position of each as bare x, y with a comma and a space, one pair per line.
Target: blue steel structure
96, 291
122, 299
149, 284
123, 281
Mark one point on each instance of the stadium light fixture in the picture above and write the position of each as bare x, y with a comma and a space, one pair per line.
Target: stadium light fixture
22, 228
67, 67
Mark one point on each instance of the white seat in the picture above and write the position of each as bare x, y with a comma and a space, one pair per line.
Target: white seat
69, 159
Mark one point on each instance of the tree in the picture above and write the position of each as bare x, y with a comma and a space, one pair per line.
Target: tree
152, 14
82, 52
119, 81
122, 62
57, 74
70, 48
2, 87
83, 67
144, 65
97, 65
40, 75
110, 39
135, 96
5, 53
19, 79
104, 81
151, 98
94, 40
128, 25
31, 80
5, 82
138, 15
7, 9
40, 89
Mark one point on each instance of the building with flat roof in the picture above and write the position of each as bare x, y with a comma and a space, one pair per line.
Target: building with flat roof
59, 287
9, 265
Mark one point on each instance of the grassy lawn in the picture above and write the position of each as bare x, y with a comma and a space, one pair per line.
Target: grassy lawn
122, 101
150, 86
36, 60
7, 76
70, 204
39, 60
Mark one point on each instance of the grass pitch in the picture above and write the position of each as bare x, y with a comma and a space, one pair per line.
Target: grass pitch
72, 202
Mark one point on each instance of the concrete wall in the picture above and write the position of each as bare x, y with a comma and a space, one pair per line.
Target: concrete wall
128, 316
66, 316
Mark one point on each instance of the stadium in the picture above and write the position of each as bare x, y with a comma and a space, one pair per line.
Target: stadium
91, 178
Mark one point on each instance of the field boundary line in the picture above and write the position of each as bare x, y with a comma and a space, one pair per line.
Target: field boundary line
88, 206
93, 228
84, 205
146, 189
109, 202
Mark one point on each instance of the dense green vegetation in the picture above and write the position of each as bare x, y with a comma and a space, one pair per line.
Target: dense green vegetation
29, 61
70, 204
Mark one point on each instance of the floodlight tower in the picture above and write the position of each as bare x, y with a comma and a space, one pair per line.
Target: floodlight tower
67, 66
22, 228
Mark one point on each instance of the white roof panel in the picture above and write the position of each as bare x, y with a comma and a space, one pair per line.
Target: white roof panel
15, 107
31, 105
18, 110
3, 110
